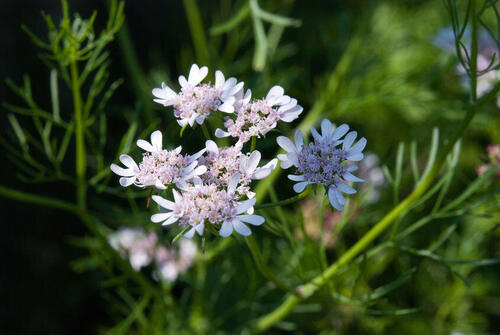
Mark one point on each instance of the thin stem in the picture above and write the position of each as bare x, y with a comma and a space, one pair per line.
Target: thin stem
197, 31
321, 247
254, 249
81, 164
253, 143
286, 201
36, 199
312, 286
206, 133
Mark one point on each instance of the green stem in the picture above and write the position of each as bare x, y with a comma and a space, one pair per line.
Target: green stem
81, 164
312, 286
253, 143
254, 249
286, 201
36, 199
206, 133
197, 31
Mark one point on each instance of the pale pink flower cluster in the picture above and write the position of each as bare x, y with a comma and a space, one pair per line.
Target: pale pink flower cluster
493, 151
142, 249
159, 167
255, 118
323, 161
200, 204
222, 163
196, 101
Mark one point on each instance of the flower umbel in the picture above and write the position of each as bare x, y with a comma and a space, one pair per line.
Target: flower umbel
196, 101
208, 204
258, 117
322, 161
159, 167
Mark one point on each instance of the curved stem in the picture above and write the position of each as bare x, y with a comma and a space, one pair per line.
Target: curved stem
254, 249
312, 286
253, 143
286, 201
81, 164
206, 133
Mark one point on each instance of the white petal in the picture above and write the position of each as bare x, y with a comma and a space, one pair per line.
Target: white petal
165, 92
219, 80
227, 107
233, 182
356, 157
286, 143
182, 81
261, 173
145, 145
299, 187
241, 228
285, 164
298, 140
156, 140
159, 185
127, 181
326, 128
350, 177
346, 188
170, 220
315, 134
177, 196
160, 217
252, 162
196, 74
272, 164
275, 92
128, 161
340, 131
352, 168
121, 171
200, 170
221, 133
200, 228
255, 220
211, 146
190, 233
333, 200
163, 202
295, 177
349, 139
245, 205
359, 146
340, 198
226, 229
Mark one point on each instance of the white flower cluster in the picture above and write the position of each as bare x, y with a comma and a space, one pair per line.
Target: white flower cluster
212, 186
323, 162
247, 117
142, 249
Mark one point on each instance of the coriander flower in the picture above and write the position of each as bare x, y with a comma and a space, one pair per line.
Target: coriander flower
196, 101
172, 262
322, 161
202, 204
258, 117
134, 244
159, 167
222, 163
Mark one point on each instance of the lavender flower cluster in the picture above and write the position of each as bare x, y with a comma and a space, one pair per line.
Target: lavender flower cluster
142, 249
213, 186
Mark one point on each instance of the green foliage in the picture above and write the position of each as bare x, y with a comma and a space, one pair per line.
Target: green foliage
423, 258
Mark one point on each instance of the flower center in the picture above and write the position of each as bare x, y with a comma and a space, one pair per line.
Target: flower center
253, 119
165, 166
207, 203
201, 99
322, 163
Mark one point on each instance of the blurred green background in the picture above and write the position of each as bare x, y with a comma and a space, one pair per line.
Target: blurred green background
370, 64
